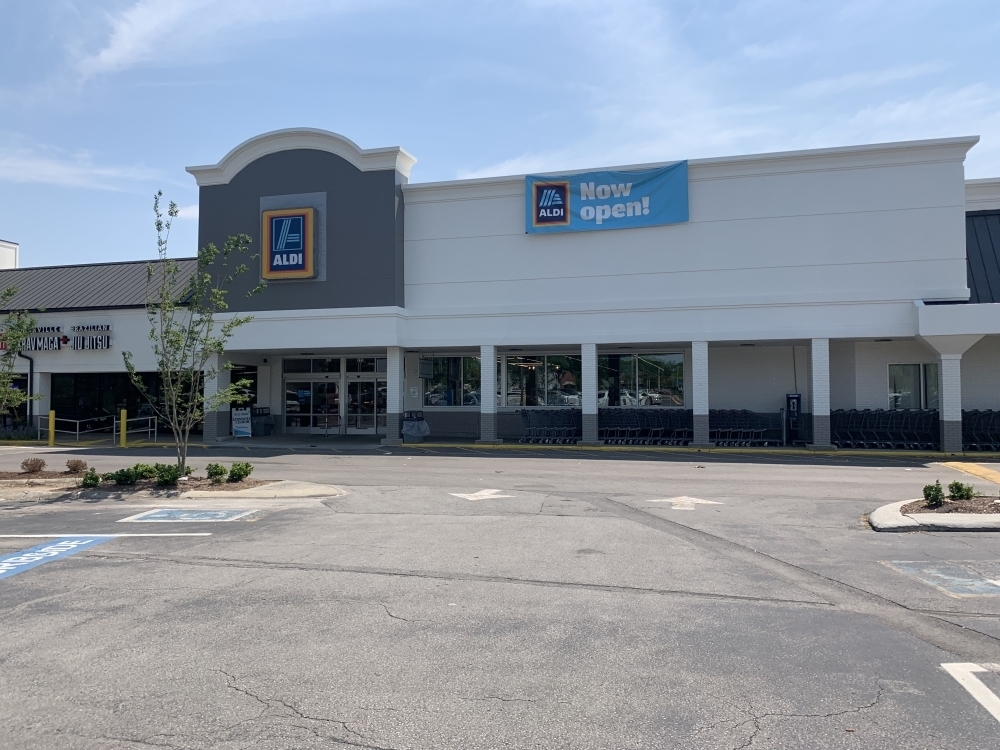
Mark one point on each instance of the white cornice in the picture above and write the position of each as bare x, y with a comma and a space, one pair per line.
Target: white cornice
365, 159
982, 195
727, 167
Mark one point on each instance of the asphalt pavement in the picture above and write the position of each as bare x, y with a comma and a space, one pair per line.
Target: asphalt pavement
476, 598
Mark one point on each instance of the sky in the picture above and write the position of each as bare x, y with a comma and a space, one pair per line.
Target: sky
104, 102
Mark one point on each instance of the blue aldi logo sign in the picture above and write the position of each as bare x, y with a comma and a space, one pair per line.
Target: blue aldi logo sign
551, 204
288, 244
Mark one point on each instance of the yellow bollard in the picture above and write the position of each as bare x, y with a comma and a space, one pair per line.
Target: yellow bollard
124, 425
52, 427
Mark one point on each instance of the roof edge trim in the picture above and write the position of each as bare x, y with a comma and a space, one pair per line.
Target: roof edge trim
982, 194
766, 159
365, 159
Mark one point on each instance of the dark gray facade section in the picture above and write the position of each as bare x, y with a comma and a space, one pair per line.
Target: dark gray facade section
364, 230
982, 253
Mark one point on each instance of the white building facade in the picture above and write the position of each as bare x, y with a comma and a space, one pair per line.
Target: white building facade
842, 275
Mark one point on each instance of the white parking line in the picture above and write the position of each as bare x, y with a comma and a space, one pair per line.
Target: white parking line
964, 674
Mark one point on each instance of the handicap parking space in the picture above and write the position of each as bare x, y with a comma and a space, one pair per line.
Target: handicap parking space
955, 578
186, 515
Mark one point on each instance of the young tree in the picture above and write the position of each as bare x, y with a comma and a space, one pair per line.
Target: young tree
14, 331
185, 335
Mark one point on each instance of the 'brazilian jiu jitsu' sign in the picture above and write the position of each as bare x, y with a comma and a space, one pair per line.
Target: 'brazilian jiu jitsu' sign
606, 200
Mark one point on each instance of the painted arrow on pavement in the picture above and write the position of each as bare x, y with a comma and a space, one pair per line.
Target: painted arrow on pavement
481, 495
684, 503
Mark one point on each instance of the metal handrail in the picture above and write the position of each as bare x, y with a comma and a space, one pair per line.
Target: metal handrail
43, 426
74, 427
151, 427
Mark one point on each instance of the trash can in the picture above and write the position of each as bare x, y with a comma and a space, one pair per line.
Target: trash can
415, 427
261, 421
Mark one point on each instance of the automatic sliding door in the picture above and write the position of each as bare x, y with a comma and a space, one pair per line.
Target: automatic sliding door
298, 406
361, 406
326, 407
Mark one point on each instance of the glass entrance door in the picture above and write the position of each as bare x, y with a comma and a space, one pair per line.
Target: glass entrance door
366, 406
326, 408
313, 406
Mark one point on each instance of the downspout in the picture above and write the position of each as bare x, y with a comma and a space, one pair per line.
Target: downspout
31, 382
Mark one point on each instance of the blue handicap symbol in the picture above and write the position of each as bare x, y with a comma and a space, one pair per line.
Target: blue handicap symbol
19, 562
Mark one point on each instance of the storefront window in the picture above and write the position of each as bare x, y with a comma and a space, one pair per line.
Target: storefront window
914, 386
325, 365
525, 381
931, 386
660, 379
904, 386
471, 380
640, 380
297, 365
361, 364
455, 381
563, 376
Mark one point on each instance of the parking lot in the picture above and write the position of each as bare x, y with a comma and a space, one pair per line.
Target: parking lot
479, 598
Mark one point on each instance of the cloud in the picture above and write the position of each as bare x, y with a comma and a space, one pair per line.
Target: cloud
779, 50
184, 30
866, 79
27, 165
188, 212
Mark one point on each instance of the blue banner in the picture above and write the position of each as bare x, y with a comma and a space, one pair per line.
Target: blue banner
606, 200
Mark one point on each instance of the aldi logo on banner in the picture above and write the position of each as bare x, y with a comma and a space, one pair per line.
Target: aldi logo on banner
551, 205
288, 244
607, 200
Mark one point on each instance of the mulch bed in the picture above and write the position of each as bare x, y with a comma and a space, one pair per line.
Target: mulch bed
195, 483
979, 504
38, 475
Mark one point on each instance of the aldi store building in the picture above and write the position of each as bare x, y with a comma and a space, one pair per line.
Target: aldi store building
687, 299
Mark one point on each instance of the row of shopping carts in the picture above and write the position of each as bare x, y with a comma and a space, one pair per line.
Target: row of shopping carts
981, 430
741, 427
645, 426
551, 426
902, 429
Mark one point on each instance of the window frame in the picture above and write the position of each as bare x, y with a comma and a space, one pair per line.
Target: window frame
921, 385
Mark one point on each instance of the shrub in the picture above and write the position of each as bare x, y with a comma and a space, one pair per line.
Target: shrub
108, 476
125, 476
216, 472
167, 474
144, 471
959, 491
32, 465
90, 479
240, 470
18, 433
76, 466
934, 495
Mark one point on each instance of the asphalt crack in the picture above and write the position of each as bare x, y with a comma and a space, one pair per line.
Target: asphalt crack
756, 718
457, 577
271, 704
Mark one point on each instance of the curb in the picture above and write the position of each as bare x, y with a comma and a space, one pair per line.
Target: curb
889, 518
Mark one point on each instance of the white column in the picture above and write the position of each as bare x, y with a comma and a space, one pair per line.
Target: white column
951, 349
488, 394
42, 385
950, 410
588, 401
216, 424
821, 392
699, 391
394, 396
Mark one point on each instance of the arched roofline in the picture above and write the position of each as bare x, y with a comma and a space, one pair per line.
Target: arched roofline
365, 159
